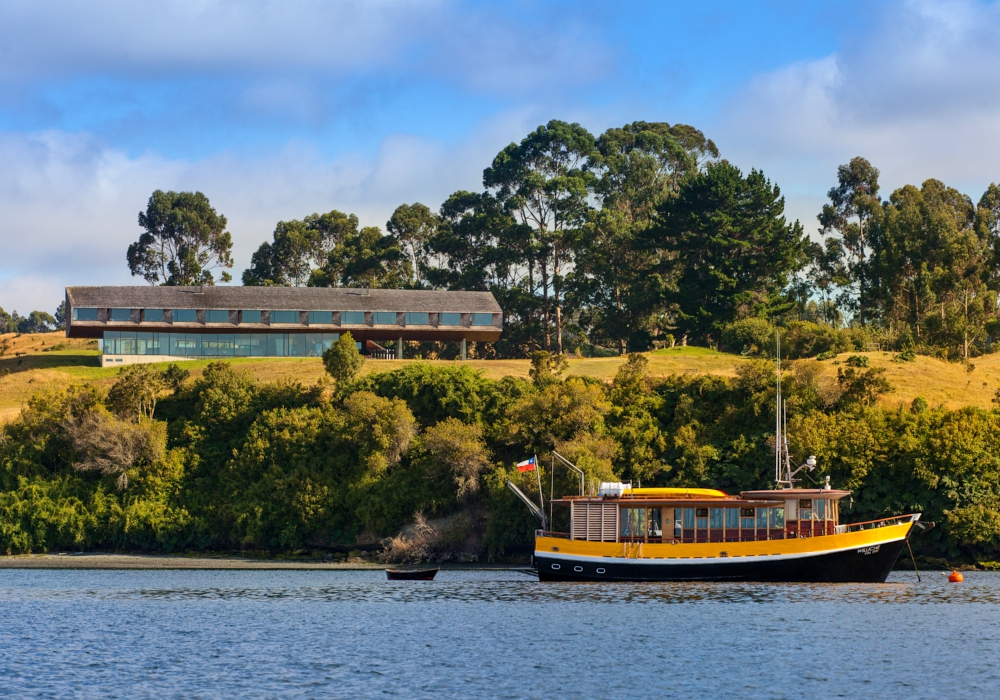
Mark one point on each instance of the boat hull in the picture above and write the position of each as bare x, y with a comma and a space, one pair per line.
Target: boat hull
863, 557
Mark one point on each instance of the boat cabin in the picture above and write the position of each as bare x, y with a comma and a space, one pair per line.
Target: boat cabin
683, 516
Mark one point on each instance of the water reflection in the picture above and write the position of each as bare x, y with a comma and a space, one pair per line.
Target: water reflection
476, 586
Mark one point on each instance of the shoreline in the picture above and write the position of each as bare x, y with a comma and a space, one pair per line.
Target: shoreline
168, 561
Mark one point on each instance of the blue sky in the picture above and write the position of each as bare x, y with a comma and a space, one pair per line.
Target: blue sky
279, 109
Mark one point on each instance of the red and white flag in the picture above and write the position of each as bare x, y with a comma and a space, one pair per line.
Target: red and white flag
527, 465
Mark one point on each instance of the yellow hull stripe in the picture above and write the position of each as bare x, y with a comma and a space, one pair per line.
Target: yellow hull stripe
718, 552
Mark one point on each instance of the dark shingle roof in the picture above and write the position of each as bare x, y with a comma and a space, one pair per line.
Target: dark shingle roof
290, 298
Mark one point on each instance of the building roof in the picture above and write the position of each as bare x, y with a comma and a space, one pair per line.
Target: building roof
282, 298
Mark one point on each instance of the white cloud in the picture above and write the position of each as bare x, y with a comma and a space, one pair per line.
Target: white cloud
71, 203
918, 95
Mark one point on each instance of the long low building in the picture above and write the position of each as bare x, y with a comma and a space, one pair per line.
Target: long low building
153, 324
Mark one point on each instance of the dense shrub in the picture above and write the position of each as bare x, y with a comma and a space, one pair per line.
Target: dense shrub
749, 336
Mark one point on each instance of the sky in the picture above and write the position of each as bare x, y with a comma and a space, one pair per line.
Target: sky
276, 110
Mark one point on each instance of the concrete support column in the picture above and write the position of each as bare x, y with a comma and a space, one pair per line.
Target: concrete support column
463, 348
399, 349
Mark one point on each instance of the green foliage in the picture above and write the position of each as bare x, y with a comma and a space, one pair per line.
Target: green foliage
907, 355
174, 377
857, 361
861, 388
134, 395
828, 355
727, 248
749, 336
342, 359
184, 239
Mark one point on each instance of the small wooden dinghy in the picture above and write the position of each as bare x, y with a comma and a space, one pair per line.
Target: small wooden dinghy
411, 575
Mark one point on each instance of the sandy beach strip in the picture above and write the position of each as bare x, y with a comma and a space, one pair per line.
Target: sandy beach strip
162, 561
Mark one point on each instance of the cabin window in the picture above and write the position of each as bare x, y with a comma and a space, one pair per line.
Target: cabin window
715, 518
655, 527
732, 518
633, 522
701, 518
746, 518
777, 517
805, 503
689, 518
820, 508
762, 518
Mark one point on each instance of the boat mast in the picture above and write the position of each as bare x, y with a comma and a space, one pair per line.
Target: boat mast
782, 458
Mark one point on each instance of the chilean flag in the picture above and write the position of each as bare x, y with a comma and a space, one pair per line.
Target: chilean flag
527, 465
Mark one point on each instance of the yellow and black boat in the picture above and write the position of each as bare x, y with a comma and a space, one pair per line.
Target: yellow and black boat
620, 533
626, 534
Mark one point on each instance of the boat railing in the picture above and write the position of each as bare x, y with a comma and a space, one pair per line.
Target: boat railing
873, 524
552, 533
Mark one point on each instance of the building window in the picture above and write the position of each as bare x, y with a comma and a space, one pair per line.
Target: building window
152, 315
384, 318
249, 316
356, 318
216, 316
482, 319
416, 319
121, 314
284, 317
320, 318
185, 315
450, 320
84, 314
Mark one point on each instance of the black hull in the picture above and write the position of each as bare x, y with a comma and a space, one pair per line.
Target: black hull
860, 565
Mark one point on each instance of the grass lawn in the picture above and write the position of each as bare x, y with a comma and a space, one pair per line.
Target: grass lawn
32, 362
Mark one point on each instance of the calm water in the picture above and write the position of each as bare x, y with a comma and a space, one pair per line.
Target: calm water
497, 634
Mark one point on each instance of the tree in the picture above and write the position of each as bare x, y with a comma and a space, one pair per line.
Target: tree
133, 396
115, 447
296, 247
7, 321
342, 359
853, 203
184, 240
930, 265
365, 259
35, 322
413, 226
457, 449
726, 245
174, 377
60, 316
638, 167
542, 182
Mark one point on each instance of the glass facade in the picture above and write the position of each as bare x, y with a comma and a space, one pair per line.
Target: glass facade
185, 315
284, 317
417, 319
482, 319
384, 318
218, 344
216, 316
320, 318
84, 314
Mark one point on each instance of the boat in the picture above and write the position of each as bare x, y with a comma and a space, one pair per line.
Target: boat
411, 575
780, 534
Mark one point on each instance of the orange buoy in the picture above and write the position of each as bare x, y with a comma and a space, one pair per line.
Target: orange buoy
955, 577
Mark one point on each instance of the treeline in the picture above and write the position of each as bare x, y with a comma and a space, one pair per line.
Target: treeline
35, 322
639, 236
164, 463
